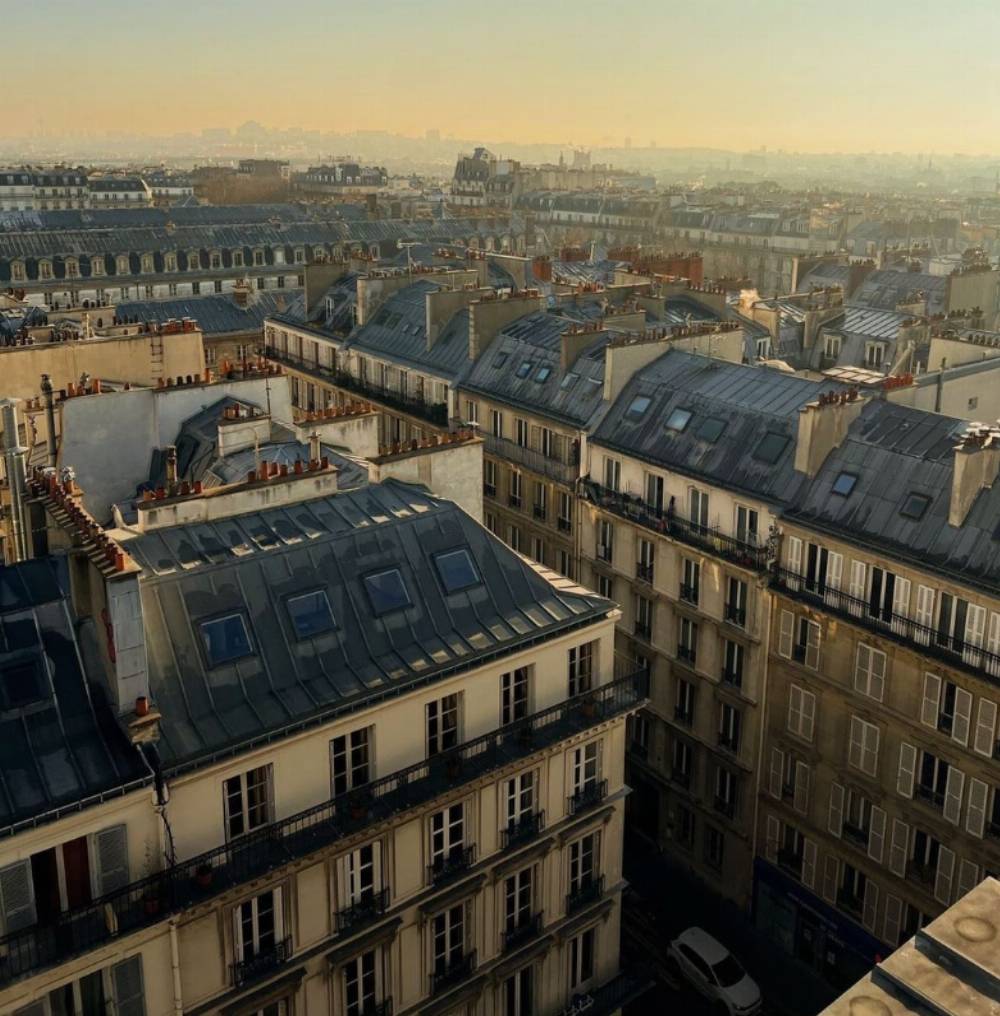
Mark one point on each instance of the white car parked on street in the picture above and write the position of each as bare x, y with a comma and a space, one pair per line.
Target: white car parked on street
714, 971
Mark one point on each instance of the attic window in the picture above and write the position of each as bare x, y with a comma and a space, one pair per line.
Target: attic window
387, 591
543, 374
456, 570
638, 408
21, 684
678, 420
310, 613
500, 360
710, 429
569, 380
914, 506
524, 370
226, 639
844, 484
770, 447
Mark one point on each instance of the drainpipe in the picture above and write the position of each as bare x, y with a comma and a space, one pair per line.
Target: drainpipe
175, 966
50, 418
939, 394
15, 454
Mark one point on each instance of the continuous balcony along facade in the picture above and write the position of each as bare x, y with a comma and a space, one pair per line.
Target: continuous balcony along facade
921, 638
536, 461
148, 901
710, 539
435, 413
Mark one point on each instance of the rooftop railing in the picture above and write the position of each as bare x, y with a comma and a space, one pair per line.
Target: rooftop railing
707, 538
565, 470
150, 900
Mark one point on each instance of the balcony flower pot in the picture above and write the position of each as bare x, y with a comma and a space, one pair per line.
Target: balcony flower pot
142, 706
151, 905
589, 708
524, 736
359, 810
204, 876
453, 767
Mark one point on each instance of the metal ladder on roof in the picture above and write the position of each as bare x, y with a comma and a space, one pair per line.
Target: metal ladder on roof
156, 356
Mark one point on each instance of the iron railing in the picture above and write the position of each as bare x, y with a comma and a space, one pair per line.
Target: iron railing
925, 639
370, 907
451, 865
790, 861
644, 571
565, 471
689, 594
725, 806
262, 963
610, 997
150, 900
732, 677
735, 615
590, 889
708, 538
587, 796
682, 715
686, 654
453, 972
517, 934
522, 830
433, 412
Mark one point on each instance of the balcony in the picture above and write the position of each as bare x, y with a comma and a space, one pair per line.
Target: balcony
516, 935
150, 900
644, 571
588, 796
681, 777
564, 525
589, 890
683, 715
729, 742
514, 500
849, 901
750, 555
433, 412
260, 965
724, 806
383, 1008
539, 512
537, 462
489, 490
522, 830
734, 678
689, 594
686, 654
735, 615
855, 834
930, 796
903, 630
610, 997
370, 907
451, 865
447, 975
643, 630
790, 861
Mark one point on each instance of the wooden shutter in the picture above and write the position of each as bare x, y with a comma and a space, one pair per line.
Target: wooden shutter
771, 839
993, 644
808, 720
899, 848
893, 922
953, 795
968, 877
900, 603
876, 681
907, 769
975, 631
812, 645
126, 982
794, 560
945, 875
975, 815
777, 773
855, 743
925, 614
786, 633
835, 818
857, 587
800, 800
986, 725
17, 896
876, 835
862, 665
930, 706
831, 874
963, 716
834, 574
111, 866
795, 709
869, 910
808, 863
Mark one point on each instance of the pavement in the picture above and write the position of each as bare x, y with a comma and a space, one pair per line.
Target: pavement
663, 900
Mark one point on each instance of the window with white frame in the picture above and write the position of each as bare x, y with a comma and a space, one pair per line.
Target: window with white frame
831, 346
583, 862
471, 411
249, 801
447, 834
606, 586
612, 473
519, 794
869, 672
258, 926
447, 939
698, 507
442, 724
521, 432
361, 874
518, 894
351, 760
496, 422
580, 660
514, 688
581, 959
519, 993
730, 726
362, 983
862, 749
605, 540
115, 989
801, 712
585, 768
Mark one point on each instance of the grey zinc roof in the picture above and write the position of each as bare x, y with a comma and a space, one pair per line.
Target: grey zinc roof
885, 288
823, 275
250, 564
61, 745
752, 401
217, 314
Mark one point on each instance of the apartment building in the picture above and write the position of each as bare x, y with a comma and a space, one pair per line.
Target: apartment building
359, 758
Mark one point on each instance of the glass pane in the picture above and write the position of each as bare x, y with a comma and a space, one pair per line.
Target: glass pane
310, 613
226, 639
387, 591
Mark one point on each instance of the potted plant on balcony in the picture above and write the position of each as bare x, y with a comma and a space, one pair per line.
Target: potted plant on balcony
589, 707
203, 876
358, 807
453, 766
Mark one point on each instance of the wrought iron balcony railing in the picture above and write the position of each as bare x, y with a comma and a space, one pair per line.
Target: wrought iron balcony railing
644, 571
522, 830
448, 974
590, 888
518, 933
564, 470
451, 865
370, 907
588, 796
260, 964
149, 900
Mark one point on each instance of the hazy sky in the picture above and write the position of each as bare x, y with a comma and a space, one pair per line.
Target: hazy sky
813, 75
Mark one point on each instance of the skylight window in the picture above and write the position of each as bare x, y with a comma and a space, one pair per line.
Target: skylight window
21, 684
543, 374
914, 506
524, 370
500, 359
710, 429
226, 639
387, 591
678, 420
569, 380
456, 570
637, 410
770, 447
844, 484
310, 613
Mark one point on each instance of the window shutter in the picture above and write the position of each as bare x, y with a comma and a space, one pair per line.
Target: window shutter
932, 699
876, 835
777, 773
953, 795
835, 819
808, 715
834, 573
857, 586
862, 665
986, 725
17, 896
808, 863
794, 560
893, 922
968, 877
112, 859
126, 980
925, 614
794, 709
993, 644
800, 800
945, 874
900, 603
279, 914
907, 769
963, 716
812, 646
876, 685
870, 749
831, 874
869, 910
854, 744
771, 839
238, 931
975, 815
975, 630
785, 634
899, 847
